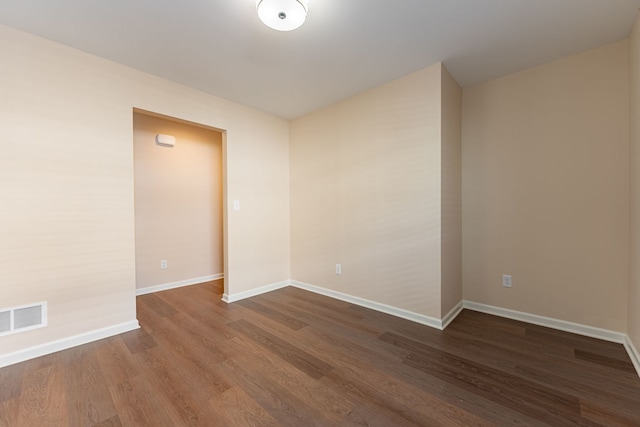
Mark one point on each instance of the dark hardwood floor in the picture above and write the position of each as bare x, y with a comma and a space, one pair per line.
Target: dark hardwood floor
293, 358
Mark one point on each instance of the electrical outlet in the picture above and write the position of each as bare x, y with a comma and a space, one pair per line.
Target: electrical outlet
163, 264
506, 280
338, 268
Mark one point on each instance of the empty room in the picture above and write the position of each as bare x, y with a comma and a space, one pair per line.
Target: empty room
320, 213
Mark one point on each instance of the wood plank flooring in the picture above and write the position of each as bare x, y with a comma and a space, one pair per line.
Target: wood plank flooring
293, 358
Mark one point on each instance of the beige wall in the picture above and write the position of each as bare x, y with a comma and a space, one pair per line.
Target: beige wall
633, 322
66, 174
365, 192
178, 201
545, 189
451, 209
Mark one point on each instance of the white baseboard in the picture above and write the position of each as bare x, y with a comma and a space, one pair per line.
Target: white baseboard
562, 325
173, 285
253, 292
451, 315
65, 343
394, 311
634, 355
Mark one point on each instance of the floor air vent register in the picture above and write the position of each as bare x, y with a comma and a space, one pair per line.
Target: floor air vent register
23, 318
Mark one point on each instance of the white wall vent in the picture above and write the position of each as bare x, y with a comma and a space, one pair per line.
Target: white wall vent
23, 318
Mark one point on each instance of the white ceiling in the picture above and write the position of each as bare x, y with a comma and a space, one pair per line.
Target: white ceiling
345, 47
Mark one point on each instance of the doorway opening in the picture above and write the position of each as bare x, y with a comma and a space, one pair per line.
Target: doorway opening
178, 202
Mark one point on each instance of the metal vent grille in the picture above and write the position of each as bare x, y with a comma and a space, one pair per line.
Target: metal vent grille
27, 317
23, 318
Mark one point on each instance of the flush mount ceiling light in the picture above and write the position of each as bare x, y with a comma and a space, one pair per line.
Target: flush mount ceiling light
282, 15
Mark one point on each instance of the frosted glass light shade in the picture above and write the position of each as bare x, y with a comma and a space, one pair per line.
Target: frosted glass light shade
282, 15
